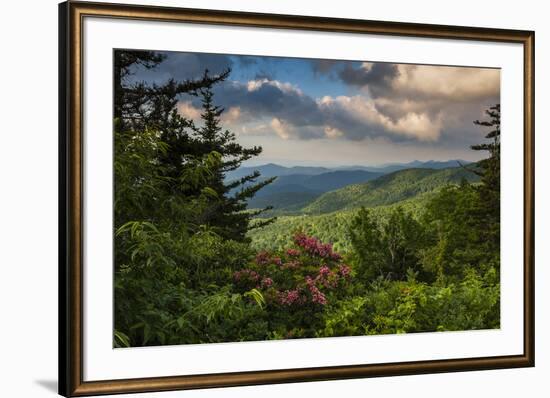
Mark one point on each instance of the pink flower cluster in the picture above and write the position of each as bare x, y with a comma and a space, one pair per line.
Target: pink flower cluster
290, 297
316, 295
315, 247
293, 252
326, 277
324, 271
344, 270
266, 282
263, 258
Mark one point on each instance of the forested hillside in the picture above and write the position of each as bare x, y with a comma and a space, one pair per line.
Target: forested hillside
388, 189
329, 227
329, 216
299, 194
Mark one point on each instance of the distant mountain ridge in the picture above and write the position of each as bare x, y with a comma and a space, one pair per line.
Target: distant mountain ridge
318, 182
416, 164
293, 190
316, 190
274, 170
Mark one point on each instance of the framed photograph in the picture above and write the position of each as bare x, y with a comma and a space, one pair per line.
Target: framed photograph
252, 199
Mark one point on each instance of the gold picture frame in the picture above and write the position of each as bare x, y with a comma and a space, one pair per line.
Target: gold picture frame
71, 16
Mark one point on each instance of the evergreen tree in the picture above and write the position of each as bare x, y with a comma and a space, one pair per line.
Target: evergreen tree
454, 222
464, 221
366, 240
490, 166
141, 107
489, 190
229, 214
124, 62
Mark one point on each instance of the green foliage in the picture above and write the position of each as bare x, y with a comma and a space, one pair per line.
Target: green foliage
386, 248
344, 318
329, 227
455, 225
412, 306
166, 279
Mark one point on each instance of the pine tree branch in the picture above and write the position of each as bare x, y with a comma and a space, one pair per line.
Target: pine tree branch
243, 180
476, 172
250, 191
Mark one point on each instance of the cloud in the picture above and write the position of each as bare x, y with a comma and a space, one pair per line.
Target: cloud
281, 128
261, 107
188, 110
323, 66
445, 82
231, 115
421, 103
382, 79
291, 114
378, 77
400, 103
358, 117
270, 99
333, 132
424, 102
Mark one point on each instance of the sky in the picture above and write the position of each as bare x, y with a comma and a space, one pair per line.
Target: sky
340, 112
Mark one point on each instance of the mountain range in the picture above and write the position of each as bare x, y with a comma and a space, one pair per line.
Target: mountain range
319, 189
274, 170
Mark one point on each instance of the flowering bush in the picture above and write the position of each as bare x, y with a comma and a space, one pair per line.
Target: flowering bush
301, 276
315, 247
297, 284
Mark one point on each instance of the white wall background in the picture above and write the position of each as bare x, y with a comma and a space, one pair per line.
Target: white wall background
28, 198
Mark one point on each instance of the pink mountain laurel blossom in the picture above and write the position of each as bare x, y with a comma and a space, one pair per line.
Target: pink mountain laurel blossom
344, 270
293, 252
290, 297
324, 270
315, 247
317, 296
327, 278
266, 282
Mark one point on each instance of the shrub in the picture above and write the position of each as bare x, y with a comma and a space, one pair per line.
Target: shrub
297, 284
